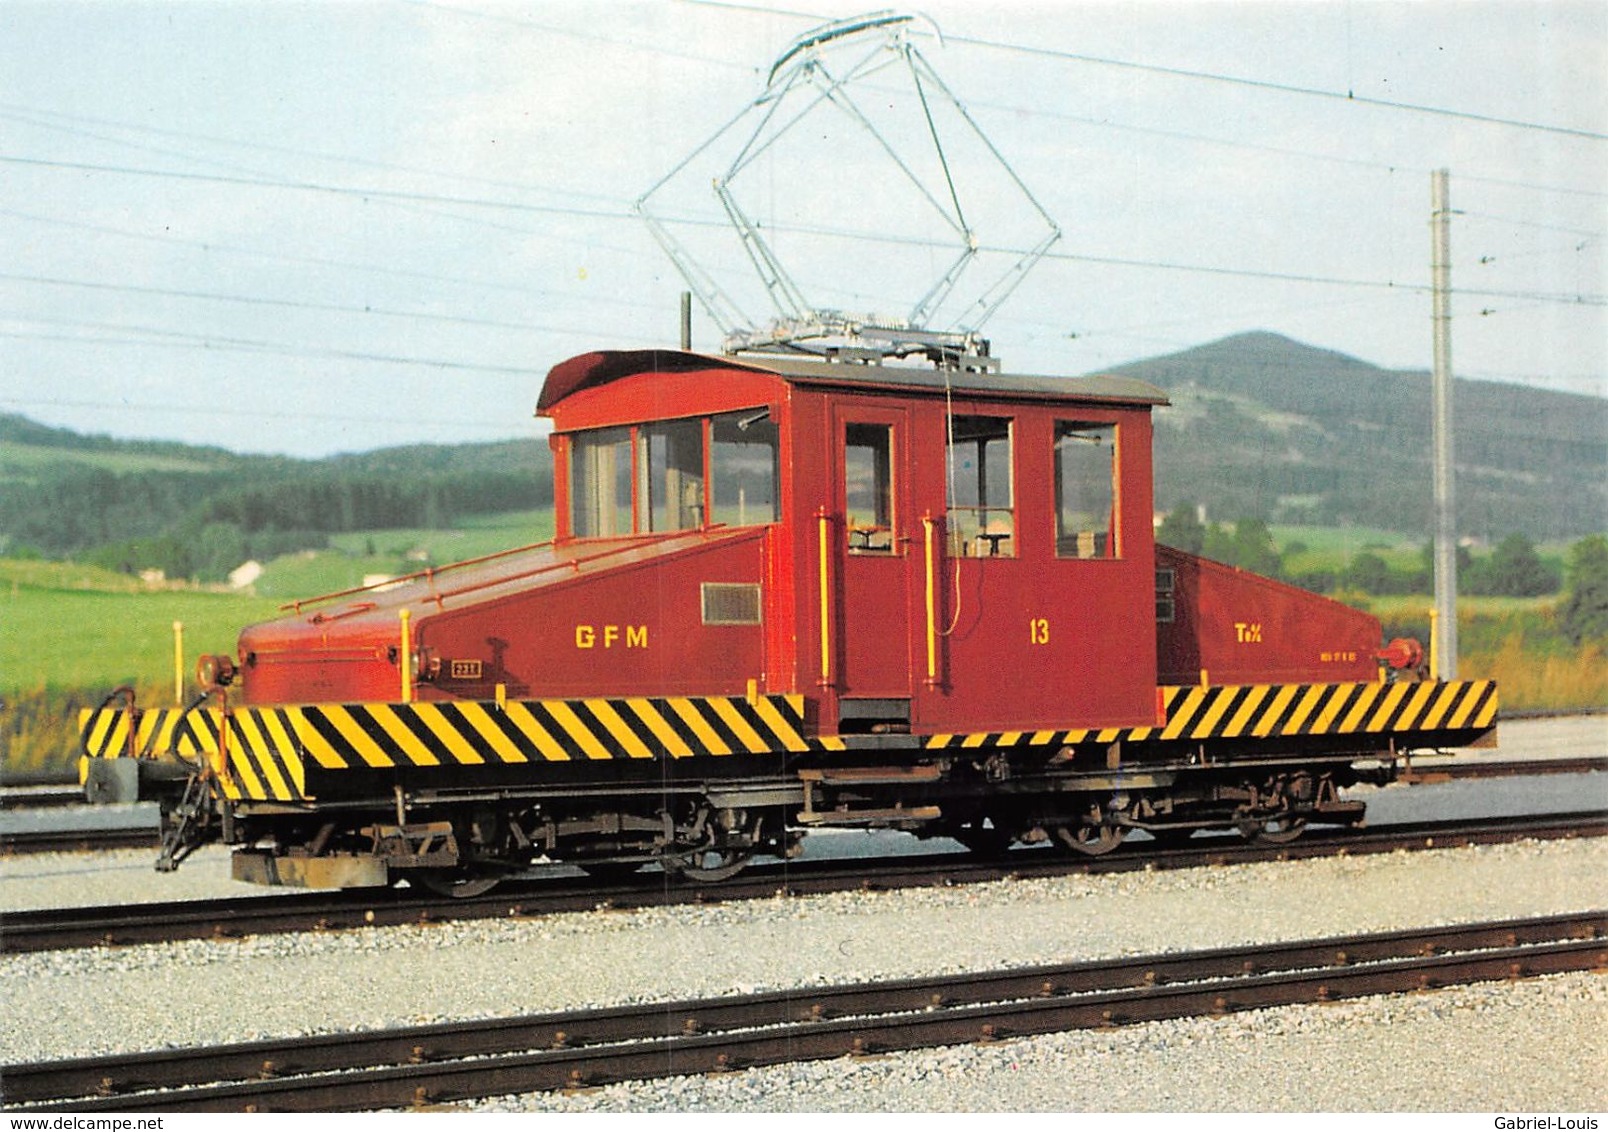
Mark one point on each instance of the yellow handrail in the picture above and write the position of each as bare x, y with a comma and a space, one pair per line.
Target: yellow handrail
826, 603
932, 608
178, 664
406, 656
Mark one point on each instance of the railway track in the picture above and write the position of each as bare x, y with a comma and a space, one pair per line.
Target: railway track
459, 1061
40, 797
94, 840
116, 925
77, 840
1435, 769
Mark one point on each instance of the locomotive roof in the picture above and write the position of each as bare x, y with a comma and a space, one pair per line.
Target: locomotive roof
587, 371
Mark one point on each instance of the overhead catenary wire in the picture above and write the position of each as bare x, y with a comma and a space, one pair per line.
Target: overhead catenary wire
1347, 96
210, 410
160, 336
873, 237
294, 304
1282, 88
604, 208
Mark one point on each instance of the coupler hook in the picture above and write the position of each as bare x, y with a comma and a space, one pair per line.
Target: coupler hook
185, 827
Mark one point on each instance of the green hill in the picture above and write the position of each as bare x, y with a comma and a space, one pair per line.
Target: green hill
1267, 427
1260, 426
198, 512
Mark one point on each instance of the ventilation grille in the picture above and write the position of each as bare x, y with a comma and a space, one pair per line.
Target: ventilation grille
1166, 583
730, 603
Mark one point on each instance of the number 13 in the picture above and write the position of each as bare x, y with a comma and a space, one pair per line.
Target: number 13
1038, 631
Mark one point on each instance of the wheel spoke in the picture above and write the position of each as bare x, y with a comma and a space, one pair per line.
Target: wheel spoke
1090, 838
1282, 830
710, 866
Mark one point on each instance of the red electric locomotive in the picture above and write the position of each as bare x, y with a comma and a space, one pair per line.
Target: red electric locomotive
785, 594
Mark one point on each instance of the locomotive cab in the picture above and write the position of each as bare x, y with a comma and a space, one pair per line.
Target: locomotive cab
945, 550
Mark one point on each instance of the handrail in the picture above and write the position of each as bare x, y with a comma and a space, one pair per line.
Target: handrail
427, 572
931, 603
405, 659
637, 541
577, 563
826, 601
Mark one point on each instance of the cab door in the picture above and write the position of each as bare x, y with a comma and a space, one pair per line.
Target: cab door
871, 459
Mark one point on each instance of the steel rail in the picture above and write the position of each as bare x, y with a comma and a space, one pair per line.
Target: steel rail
1430, 769
52, 929
20, 842
395, 1068
46, 797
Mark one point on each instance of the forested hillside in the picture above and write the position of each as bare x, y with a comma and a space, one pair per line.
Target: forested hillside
199, 512
1265, 427
1260, 427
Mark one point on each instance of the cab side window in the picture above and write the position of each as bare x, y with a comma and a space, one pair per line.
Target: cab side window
1085, 491
981, 520
743, 469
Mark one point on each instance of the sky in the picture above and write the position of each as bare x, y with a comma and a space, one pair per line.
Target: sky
324, 227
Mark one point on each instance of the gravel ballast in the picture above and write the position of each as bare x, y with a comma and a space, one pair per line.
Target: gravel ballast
89, 1001
1451, 1050
1535, 1045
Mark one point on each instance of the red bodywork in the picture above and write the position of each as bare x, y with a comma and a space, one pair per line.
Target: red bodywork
1026, 640
559, 621
1228, 626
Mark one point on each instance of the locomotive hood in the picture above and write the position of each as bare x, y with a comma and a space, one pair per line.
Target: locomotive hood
527, 620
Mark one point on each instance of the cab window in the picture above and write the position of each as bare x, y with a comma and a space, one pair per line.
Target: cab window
600, 483
675, 475
670, 491
1085, 492
868, 487
743, 466
981, 521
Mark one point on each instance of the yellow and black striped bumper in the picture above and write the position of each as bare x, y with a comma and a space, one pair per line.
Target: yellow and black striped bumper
1419, 710
271, 754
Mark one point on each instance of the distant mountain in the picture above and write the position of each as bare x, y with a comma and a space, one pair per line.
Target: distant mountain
1259, 426
1264, 426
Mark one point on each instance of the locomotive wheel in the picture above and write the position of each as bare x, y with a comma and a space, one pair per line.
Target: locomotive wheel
1277, 830
1090, 838
462, 883
708, 866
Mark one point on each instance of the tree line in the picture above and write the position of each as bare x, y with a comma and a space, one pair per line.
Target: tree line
1514, 568
201, 526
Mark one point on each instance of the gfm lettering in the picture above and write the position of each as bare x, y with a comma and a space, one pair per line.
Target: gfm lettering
611, 636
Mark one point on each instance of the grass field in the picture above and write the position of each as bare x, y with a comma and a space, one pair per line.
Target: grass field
71, 633
26, 458
61, 633
360, 554
1332, 548
1405, 607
